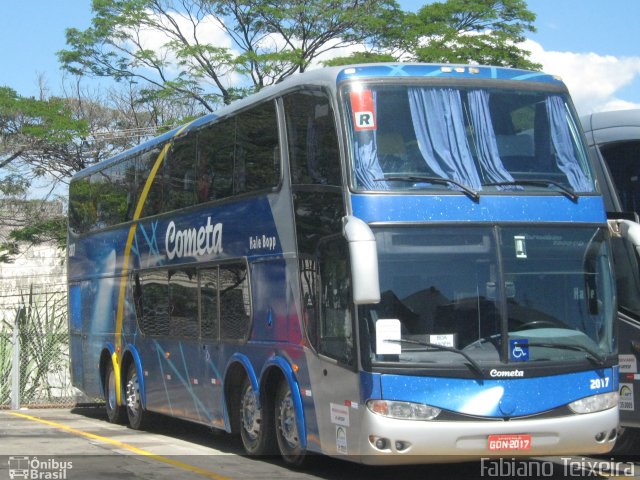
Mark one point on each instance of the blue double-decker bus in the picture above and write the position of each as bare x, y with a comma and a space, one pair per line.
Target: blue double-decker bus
392, 263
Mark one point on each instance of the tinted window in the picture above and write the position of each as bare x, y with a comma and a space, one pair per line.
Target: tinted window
215, 160
313, 144
210, 323
155, 200
183, 303
82, 209
234, 302
180, 170
335, 332
152, 293
115, 193
627, 276
622, 158
167, 302
257, 155
239, 154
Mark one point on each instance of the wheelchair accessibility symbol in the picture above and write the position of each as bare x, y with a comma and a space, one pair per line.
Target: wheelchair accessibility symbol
519, 350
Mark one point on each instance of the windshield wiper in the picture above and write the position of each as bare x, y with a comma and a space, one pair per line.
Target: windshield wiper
473, 365
537, 182
591, 354
437, 180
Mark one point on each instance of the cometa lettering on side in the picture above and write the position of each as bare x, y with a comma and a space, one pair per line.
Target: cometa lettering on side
191, 242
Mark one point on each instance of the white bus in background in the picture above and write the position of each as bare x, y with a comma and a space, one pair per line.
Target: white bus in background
614, 138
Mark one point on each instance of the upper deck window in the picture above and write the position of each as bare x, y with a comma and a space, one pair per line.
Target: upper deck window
412, 137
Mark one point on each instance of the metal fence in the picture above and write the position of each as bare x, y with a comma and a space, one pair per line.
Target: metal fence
34, 353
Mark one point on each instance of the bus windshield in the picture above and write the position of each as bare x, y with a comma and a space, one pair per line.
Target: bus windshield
499, 294
416, 138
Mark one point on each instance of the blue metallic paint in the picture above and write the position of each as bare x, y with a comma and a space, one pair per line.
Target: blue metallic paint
493, 397
246, 363
490, 208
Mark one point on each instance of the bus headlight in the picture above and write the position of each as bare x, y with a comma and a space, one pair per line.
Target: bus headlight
595, 403
403, 410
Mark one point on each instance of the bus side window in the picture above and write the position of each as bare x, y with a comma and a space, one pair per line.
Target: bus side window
114, 192
235, 306
181, 174
625, 261
82, 211
313, 144
309, 278
154, 203
183, 303
209, 322
622, 160
256, 141
215, 160
336, 339
153, 289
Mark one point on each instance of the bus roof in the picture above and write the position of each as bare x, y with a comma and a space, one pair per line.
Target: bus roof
333, 76
609, 127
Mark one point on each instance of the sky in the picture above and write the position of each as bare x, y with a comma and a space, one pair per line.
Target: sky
594, 45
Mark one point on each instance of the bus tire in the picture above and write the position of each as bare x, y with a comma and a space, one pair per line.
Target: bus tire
138, 416
256, 424
287, 428
628, 441
115, 413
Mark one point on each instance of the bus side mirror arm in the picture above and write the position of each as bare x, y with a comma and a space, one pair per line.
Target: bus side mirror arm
628, 230
363, 254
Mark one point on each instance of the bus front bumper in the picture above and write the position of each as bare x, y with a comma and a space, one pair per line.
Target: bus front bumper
391, 441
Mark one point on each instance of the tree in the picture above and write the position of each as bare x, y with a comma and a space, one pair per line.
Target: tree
199, 48
484, 31
32, 126
47, 140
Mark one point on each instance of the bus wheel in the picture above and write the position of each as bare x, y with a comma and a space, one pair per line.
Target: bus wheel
115, 413
628, 441
256, 427
287, 428
137, 415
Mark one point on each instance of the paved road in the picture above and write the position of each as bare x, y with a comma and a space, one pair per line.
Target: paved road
81, 444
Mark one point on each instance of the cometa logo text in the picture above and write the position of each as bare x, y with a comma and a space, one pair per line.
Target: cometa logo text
191, 242
506, 373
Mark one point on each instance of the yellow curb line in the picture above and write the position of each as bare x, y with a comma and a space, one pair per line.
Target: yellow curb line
131, 448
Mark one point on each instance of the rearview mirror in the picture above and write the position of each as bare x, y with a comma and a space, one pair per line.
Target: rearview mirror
364, 260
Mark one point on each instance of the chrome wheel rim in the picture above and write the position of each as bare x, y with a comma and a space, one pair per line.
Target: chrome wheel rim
287, 424
133, 388
251, 416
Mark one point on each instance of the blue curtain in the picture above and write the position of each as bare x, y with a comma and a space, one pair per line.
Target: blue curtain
563, 145
439, 127
493, 169
367, 167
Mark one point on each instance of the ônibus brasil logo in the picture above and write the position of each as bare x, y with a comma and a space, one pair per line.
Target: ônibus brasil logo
40, 469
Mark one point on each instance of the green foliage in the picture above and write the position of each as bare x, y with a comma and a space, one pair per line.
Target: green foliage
51, 229
44, 120
360, 57
5, 366
13, 185
269, 40
44, 356
484, 31
8, 250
